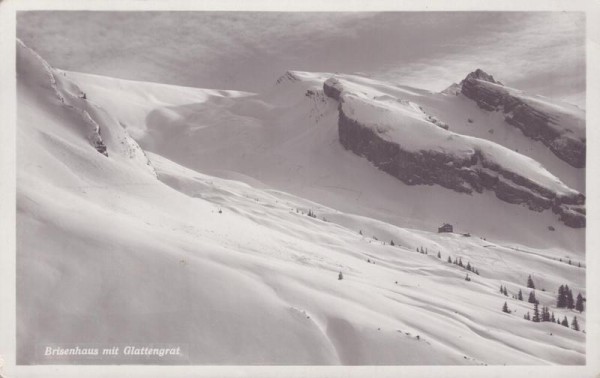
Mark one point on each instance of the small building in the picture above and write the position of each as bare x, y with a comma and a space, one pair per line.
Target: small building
446, 227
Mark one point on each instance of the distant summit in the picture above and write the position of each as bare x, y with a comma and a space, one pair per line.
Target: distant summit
480, 74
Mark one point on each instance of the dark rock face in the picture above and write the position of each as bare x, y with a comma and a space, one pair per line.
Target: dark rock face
422, 168
479, 74
288, 76
464, 175
532, 122
100, 147
572, 217
333, 88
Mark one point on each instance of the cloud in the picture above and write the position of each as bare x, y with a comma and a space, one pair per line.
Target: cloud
542, 53
538, 52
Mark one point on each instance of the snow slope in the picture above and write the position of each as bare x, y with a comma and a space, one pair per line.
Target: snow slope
287, 139
114, 249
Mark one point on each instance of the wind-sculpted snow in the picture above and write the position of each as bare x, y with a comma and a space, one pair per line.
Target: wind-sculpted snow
561, 127
398, 137
108, 253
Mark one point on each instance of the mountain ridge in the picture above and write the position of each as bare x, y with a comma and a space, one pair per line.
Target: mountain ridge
366, 135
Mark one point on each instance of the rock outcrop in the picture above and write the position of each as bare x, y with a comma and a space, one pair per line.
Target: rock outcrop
466, 174
531, 119
66, 98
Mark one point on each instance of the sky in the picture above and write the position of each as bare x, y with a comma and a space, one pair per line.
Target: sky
539, 52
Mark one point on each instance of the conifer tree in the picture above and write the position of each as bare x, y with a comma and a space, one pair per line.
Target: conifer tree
530, 283
520, 295
570, 301
536, 313
561, 300
505, 308
460, 263
552, 318
501, 289
545, 314
467, 278
575, 324
449, 260
579, 303
505, 292
565, 322
340, 276
469, 266
527, 316
532, 298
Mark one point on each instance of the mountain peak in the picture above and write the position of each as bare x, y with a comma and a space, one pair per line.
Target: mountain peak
480, 74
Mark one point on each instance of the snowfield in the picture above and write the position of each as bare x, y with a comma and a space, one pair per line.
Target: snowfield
194, 230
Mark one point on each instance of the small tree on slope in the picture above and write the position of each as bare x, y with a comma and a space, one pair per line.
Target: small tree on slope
570, 301
530, 283
579, 304
532, 298
561, 300
536, 313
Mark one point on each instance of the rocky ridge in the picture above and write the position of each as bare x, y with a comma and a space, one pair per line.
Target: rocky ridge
528, 116
466, 174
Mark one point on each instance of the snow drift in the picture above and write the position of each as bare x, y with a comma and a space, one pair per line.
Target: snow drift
119, 245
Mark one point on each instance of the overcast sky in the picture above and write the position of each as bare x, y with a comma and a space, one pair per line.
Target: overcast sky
542, 53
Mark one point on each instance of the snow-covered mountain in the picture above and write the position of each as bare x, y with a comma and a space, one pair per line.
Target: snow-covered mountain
400, 138
221, 220
289, 139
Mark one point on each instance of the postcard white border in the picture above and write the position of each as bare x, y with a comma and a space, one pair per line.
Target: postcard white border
8, 369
